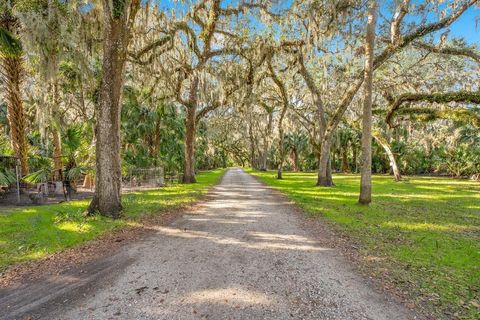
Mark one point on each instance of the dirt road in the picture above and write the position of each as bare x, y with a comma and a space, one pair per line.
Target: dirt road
241, 255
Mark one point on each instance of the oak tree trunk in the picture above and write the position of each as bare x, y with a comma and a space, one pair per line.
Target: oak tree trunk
189, 164
263, 165
327, 180
325, 165
107, 198
366, 156
294, 156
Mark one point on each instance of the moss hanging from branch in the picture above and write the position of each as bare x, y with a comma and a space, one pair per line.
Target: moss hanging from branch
441, 98
467, 116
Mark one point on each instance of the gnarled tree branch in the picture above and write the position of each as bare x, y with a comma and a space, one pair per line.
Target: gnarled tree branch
444, 97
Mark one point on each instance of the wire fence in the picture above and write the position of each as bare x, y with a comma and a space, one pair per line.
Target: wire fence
51, 191
144, 178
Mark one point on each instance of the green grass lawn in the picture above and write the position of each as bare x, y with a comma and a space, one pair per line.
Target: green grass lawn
34, 232
422, 234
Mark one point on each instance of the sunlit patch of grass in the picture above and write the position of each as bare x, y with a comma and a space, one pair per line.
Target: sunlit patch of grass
74, 227
432, 227
425, 232
34, 232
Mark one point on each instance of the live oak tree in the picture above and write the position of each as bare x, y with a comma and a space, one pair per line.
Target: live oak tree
399, 41
203, 35
119, 17
283, 110
220, 82
318, 125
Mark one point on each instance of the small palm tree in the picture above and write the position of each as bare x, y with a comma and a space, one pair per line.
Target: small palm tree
296, 143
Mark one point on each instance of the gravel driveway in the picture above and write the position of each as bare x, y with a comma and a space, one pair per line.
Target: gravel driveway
241, 255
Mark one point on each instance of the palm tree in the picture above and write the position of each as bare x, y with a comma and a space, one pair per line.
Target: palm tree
295, 143
11, 73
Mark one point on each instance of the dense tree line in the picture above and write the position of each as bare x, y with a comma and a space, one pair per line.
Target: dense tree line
93, 88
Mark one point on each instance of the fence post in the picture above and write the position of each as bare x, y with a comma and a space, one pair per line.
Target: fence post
161, 179
18, 183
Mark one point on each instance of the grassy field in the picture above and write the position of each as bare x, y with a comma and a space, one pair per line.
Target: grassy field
422, 233
34, 232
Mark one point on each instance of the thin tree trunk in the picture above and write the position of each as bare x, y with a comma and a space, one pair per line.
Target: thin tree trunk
252, 147
322, 123
366, 161
345, 167
393, 162
189, 165
281, 150
264, 166
334, 160
281, 138
57, 155
284, 95
266, 144
354, 158
82, 98
56, 138
107, 198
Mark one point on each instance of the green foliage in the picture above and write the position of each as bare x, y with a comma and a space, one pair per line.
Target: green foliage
41, 175
454, 152
461, 160
296, 143
152, 132
7, 177
207, 154
72, 139
30, 5
76, 173
468, 116
10, 46
76, 217
423, 234
118, 8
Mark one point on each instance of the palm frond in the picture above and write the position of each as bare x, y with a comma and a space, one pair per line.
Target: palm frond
10, 46
38, 176
7, 177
